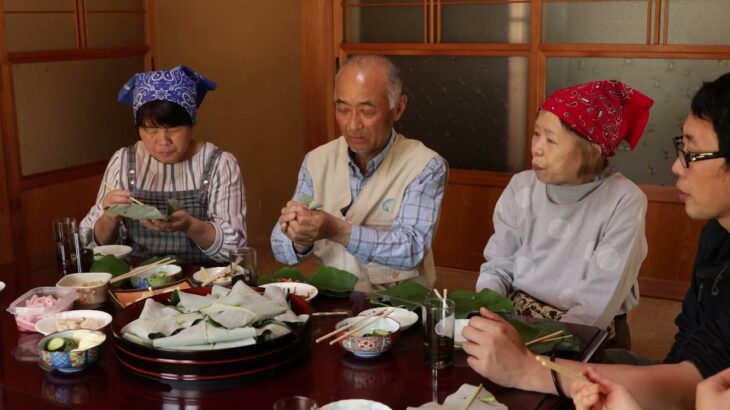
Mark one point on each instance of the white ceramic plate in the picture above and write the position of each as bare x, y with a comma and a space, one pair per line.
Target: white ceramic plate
304, 290
47, 325
405, 317
117, 250
355, 404
200, 277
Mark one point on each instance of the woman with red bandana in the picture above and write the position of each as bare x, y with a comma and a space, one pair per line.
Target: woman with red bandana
569, 234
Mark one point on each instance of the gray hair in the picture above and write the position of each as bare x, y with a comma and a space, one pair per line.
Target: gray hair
392, 72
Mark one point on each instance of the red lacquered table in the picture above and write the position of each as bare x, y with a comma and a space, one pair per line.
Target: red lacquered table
328, 373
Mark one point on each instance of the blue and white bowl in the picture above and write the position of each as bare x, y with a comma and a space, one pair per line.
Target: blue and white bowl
74, 360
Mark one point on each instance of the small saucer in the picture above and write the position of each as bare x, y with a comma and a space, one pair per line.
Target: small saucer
67, 370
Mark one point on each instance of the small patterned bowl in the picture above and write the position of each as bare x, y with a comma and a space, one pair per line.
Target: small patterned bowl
75, 360
91, 287
370, 346
156, 278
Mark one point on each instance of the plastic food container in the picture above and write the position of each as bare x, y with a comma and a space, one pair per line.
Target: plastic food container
27, 316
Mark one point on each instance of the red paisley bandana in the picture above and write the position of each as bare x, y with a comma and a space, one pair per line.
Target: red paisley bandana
605, 112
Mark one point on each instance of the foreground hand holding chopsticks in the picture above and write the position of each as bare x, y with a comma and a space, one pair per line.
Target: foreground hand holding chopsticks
361, 324
545, 362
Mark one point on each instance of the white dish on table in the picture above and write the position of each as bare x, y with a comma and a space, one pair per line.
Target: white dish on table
47, 325
117, 251
305, 290
405, 317
205, 273
355, 404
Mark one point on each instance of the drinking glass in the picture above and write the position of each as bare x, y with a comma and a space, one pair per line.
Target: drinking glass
245, 257
438, 332
82, 244
295, 403
63, 237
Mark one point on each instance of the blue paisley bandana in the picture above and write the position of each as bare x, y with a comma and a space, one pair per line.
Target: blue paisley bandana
180, 85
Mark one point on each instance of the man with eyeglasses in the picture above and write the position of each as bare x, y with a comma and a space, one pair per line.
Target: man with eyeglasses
702, 344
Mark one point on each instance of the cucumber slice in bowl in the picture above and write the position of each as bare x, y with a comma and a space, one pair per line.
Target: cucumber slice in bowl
56, 344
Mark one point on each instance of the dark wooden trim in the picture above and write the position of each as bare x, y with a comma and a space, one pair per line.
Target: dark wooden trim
660, 288
22, 57
517, 49
150, 35
61, 175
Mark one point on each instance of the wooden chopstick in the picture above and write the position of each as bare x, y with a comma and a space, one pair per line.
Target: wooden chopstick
473, 397
543, 338
131, 198
349, 325
372, 319
553, 339
562, 370
215, 277
140, 269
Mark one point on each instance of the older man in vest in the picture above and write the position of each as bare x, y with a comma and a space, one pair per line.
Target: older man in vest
367, 202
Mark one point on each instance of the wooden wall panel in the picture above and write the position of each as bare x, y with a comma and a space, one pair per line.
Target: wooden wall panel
318, 72
6, 234
42, 204
466, 225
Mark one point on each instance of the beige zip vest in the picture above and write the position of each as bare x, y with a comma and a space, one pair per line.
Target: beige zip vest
376, 207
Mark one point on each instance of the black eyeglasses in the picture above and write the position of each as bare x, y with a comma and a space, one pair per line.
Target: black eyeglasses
687, 158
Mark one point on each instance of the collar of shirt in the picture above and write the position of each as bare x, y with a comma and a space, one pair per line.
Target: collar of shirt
375, 162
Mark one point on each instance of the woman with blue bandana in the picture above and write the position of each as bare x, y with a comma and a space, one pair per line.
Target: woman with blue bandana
168, 164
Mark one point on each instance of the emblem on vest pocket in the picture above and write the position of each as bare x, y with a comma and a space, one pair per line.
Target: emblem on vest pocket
387, 204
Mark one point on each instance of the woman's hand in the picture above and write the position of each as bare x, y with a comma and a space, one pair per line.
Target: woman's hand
601, 394
115, 197
497, 352
179, 221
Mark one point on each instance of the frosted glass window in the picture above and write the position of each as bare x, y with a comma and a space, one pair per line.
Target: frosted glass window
693, 23
393, 24
115, 29
49, 31
114, 5
64, 122
621, 22
471, 110
485, 23
670, 83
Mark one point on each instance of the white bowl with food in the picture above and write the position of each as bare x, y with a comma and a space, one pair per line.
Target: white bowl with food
72, 320
355, 404
118, 251
405, 317
91, 287
304, 290
204, 274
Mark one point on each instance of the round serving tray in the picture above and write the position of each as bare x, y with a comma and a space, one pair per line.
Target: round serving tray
212, 364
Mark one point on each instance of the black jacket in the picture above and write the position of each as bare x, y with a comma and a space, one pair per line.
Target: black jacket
703, 336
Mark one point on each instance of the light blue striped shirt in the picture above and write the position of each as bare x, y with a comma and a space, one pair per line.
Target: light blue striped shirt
402, 247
